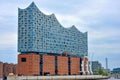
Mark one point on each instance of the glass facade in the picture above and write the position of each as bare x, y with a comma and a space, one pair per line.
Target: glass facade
42, 33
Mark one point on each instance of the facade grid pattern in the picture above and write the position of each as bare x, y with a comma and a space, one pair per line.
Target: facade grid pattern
42, 33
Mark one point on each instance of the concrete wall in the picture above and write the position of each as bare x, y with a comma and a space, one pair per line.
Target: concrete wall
85, 64
72, 77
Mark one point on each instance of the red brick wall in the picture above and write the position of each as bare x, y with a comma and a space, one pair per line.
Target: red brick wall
75, 65
49, 64
1, 69
8, 68
15, 69
62, 65
31, 66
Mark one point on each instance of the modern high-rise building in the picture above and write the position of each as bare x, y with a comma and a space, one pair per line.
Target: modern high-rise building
96, 65
40, 33
46, 47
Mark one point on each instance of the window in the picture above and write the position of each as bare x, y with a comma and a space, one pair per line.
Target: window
23, 59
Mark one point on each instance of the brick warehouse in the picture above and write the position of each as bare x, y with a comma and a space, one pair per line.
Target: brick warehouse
28, 64
6, 68
1, 69
46, 47
36, 64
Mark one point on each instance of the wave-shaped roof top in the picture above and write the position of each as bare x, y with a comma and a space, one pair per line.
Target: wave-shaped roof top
51, 15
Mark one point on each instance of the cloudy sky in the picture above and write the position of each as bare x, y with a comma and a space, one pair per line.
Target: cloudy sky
101, 18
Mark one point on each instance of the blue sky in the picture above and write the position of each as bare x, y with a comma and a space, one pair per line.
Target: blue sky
101, 18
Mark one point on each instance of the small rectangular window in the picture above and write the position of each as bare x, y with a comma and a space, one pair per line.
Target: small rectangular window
23, 59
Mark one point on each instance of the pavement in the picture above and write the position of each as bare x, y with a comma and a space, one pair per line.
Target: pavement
67, 77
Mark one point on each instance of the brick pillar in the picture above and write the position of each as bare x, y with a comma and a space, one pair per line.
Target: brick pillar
1, 69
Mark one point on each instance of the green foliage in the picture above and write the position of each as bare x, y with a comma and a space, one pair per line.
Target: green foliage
100, 72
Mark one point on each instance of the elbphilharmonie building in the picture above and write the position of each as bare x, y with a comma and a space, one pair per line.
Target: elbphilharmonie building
40, 34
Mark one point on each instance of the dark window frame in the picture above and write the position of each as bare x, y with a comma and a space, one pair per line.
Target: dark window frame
23, 59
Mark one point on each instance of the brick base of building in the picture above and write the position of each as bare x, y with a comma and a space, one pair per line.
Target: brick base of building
36, 64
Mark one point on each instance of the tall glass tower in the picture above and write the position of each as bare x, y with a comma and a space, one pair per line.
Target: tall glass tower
40, 33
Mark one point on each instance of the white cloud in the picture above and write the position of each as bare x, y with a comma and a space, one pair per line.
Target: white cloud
68, 20
104, 33
8, 9
8, 40
85, 15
